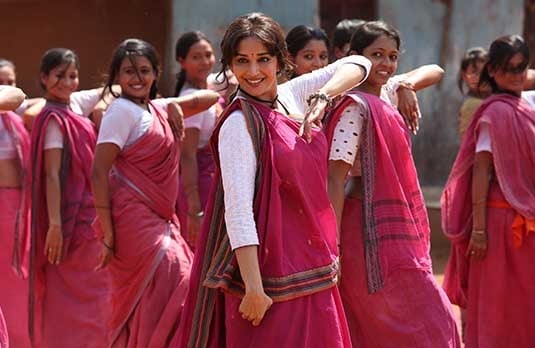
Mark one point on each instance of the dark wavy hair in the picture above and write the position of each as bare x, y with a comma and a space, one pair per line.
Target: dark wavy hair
259, 26
55, 57
368, 32
128, 49
183, 44
500, 53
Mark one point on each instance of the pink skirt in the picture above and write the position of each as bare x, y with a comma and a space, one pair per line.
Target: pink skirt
13, 289
314, 321
410, 311
501, 287
77, 299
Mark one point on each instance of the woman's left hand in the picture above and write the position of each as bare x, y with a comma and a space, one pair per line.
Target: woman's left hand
409, 108
175, 117
106, 253
313, 117
477, 248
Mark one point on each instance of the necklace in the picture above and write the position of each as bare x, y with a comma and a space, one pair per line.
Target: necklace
270, 103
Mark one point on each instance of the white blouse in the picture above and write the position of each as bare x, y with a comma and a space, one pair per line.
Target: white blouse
124, 121
238, 159
81, 103
347, 133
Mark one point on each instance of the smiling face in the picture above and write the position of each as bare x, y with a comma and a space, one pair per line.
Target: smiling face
256, 69
60, 82
311, 57
198, 63
136, 76
512, 77
383, 52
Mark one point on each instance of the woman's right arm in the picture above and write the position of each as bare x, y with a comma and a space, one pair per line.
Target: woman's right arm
114, 131
105, 155
238, 170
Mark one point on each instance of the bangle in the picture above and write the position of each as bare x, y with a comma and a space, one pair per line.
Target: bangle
102, 207
320, 96
480, 232
198, 214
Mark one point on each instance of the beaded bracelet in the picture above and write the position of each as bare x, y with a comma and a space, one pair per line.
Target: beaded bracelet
320, 96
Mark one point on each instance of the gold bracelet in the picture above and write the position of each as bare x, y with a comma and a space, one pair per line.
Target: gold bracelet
480, 232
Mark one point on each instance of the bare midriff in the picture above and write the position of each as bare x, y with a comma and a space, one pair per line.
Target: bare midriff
10, 173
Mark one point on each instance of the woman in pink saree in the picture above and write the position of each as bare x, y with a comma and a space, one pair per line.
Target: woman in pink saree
387, 285
196, 57
135, 186
488, 209
267, 250
68, 299
14, 151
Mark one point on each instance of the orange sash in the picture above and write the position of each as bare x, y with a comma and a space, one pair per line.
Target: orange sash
521, 226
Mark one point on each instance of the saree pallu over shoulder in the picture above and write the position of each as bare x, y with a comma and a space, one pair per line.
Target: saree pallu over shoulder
512, 125
77, 205
21, 246
297, 251
396, 229
138, 167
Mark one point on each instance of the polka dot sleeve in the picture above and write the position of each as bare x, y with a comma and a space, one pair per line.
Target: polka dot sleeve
345, 143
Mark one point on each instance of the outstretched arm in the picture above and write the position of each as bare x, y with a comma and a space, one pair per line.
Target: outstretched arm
346, 77
10, 98
413, 81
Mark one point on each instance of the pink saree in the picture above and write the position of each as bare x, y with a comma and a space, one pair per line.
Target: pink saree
387, 285
68, 302
297, 253
498, 291
151, 266
15, 239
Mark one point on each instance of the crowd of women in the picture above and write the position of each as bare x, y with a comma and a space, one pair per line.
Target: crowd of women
273, 204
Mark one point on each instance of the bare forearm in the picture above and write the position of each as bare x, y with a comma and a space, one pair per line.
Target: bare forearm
101, 195
196, 102
346, 77
53, 198
190, 179
336, 195
480, 188
424, 76
247, 258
